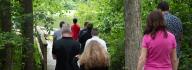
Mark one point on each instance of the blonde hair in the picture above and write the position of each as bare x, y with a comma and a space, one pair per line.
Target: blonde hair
94, 55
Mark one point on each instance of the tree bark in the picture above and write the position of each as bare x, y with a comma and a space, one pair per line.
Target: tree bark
133, 33
27, 32
6, 26
5, 16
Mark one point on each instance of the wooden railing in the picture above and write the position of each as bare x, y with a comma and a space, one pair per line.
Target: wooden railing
42, 47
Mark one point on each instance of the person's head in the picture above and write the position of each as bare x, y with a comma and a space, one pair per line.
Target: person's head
155, 23
85, 24
94, 32
94, 55
163, 6
61, 24
90, 26
66, 30
75, 20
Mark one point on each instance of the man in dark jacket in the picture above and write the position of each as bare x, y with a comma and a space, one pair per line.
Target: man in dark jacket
65, 50
84, 35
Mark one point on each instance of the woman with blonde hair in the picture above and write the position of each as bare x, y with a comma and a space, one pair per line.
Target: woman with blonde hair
94, 57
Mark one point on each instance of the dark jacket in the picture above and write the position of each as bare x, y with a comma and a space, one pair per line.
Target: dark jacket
65, 50
84, 35
95, 68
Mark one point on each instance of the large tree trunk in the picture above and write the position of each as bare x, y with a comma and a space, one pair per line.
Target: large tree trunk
27, 32
5, 15
6, 26
133, 33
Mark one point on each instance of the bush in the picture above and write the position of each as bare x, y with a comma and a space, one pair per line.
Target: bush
16, 41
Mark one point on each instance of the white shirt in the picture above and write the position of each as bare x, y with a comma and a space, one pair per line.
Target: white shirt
101, 41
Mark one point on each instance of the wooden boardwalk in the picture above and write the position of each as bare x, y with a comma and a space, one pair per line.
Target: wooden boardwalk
50, 61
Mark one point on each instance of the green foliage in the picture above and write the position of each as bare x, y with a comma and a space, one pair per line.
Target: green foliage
44, 20
16, 14
116, 49
16, 42
17, 55
37, 56
10, 38
17, 50
108, 17
183, 10
42, 12
48, 6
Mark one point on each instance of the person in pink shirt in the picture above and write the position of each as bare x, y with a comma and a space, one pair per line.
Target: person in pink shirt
158, 51
75, 28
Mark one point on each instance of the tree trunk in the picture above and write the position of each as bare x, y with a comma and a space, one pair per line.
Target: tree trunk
5, 15
27, 32
133, 33
6, 26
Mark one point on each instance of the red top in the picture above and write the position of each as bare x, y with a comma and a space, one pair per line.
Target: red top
75, 28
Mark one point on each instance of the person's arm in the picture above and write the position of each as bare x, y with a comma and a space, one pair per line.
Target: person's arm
173, 55
54, 56
174, 59
143, 55
53, 45
54, 37
180, 27
54, 50
77, 50
180, 38
142, 59
78, 33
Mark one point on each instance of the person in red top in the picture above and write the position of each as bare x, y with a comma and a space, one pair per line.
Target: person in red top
75, 28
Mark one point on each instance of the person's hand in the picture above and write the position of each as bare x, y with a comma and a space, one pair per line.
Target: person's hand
77, 56
54, 57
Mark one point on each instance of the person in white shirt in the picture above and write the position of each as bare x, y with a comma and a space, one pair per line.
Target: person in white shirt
95, 36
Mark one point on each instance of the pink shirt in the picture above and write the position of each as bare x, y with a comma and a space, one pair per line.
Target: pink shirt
159, 51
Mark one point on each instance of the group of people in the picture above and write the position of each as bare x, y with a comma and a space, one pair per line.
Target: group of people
160, 49
79, 49
82, 49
